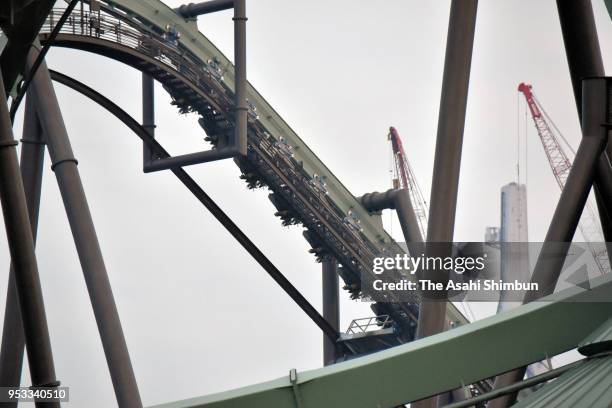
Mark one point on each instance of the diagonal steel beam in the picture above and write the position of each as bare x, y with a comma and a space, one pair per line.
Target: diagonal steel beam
208, 202
447, 161
595, 106
13, 340
21, 248
584, 61
64, 165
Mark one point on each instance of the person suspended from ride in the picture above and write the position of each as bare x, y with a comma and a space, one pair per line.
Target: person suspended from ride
171, 34
94, 25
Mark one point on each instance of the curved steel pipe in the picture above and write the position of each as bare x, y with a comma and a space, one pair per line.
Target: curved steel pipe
192, 10
398, 200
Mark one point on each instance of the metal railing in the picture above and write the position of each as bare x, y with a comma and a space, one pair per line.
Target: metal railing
159, 46
369, 324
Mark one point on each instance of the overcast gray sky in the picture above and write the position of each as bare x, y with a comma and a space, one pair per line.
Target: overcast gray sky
199, 314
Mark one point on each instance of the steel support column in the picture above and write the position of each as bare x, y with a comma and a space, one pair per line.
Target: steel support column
331, 306
451, 121
21, 248
584, 60
595, 115
237, 145
148, 115
13, 341
13, 338
100, 293
447, 161
240, 79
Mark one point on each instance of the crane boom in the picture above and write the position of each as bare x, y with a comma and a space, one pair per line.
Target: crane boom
561, 166
405, 178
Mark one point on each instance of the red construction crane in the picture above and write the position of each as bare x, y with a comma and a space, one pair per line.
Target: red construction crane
560, 164
404, 178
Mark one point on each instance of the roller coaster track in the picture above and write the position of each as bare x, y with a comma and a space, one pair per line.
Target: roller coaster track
200, 79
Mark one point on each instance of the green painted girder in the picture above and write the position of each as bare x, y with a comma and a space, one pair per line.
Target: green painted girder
430, 366
599, 341
588, 385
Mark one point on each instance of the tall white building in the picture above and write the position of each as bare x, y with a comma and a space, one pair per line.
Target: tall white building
514, 245
514, 213
513, 238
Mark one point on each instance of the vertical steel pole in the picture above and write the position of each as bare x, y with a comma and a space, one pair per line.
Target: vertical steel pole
148, 114
13, 339
331, 306
100, 292
447, 162
241, 109
595, 117
451, 121
585, 61
21, 248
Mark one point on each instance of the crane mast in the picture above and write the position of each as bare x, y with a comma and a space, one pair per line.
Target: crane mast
404, 178
561, 166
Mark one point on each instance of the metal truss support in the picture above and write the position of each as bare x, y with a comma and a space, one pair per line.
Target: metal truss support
13, 338
585, 61
238, 141
64, 165
208, 202
148, 115
331, 306
21, 248
595, 124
